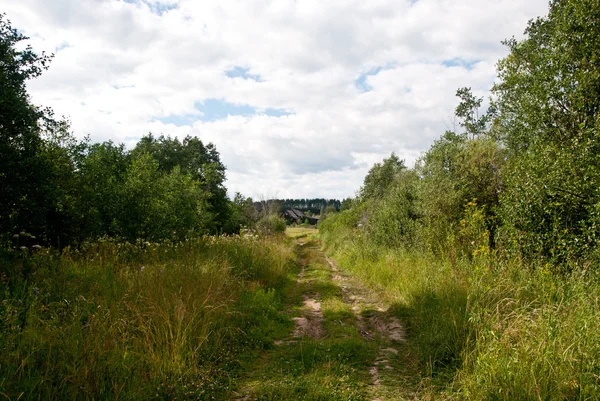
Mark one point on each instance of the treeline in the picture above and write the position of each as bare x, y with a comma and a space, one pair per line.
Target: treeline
316, 206
491, 243
59, 191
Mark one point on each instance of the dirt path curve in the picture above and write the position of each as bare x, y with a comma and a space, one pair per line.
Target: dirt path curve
344, 344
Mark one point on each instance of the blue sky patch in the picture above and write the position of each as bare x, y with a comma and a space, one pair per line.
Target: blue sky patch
215, 109
117, 86
271, 112
361, 81
156, 7
62, 45
241, 72
459, 62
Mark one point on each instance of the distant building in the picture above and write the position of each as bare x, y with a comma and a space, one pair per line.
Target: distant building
296, 216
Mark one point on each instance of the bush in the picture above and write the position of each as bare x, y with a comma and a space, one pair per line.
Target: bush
270, 225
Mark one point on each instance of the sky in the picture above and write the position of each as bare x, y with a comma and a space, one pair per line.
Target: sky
300, 97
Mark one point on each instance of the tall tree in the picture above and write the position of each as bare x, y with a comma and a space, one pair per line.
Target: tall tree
381, 176
548, 99
195, 158
22, 200
549, 86
474, 122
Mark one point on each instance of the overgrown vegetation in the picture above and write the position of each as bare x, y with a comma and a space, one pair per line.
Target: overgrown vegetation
139, 321
110, 287
489, 246
488, 250
330, 366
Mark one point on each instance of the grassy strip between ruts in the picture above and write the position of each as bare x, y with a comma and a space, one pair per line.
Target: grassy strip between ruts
140, 321
329, 364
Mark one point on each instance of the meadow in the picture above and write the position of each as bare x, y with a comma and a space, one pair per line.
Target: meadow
114, 320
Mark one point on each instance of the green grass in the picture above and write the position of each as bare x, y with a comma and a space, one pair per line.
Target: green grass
329, 369
300, 232
334, 367
204, 318
139, 321
489, 328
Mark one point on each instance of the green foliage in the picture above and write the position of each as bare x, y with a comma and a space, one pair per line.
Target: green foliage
548, 102
103, 171
193, 158
549, 85
144, 321
159, 206
455, 171
59, 191
550, 200
23, 181
468, 112
484, 327
499, 284
242, 214
393, 220
346, 204
422, 207
270, 224
380, 177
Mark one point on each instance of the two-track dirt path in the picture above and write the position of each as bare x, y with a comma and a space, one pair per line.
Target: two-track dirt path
344, 344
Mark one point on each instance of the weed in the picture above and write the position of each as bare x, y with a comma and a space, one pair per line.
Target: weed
139, 321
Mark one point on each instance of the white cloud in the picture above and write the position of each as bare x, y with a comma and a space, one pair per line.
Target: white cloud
122, 66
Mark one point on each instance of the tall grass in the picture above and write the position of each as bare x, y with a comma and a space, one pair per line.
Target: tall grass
486, 327
137, 321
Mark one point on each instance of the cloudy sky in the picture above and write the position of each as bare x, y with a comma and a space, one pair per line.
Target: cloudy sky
300, 97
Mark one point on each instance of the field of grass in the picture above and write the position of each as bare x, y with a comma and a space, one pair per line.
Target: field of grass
489, 328
213, 318
143, 321
301, 231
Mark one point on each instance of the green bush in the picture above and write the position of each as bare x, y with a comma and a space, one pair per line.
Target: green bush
270, 225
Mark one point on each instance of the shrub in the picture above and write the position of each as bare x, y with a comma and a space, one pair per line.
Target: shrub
270, 225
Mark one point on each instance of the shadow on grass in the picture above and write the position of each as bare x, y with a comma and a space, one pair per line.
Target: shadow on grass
437, 332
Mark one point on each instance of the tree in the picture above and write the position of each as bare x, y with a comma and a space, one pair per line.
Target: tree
242, 213
380, 176
457, 170
468, 111
394, 217
549, 84
192, 157
62, 211
548, 99
24, 170
346, 204
103, 171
